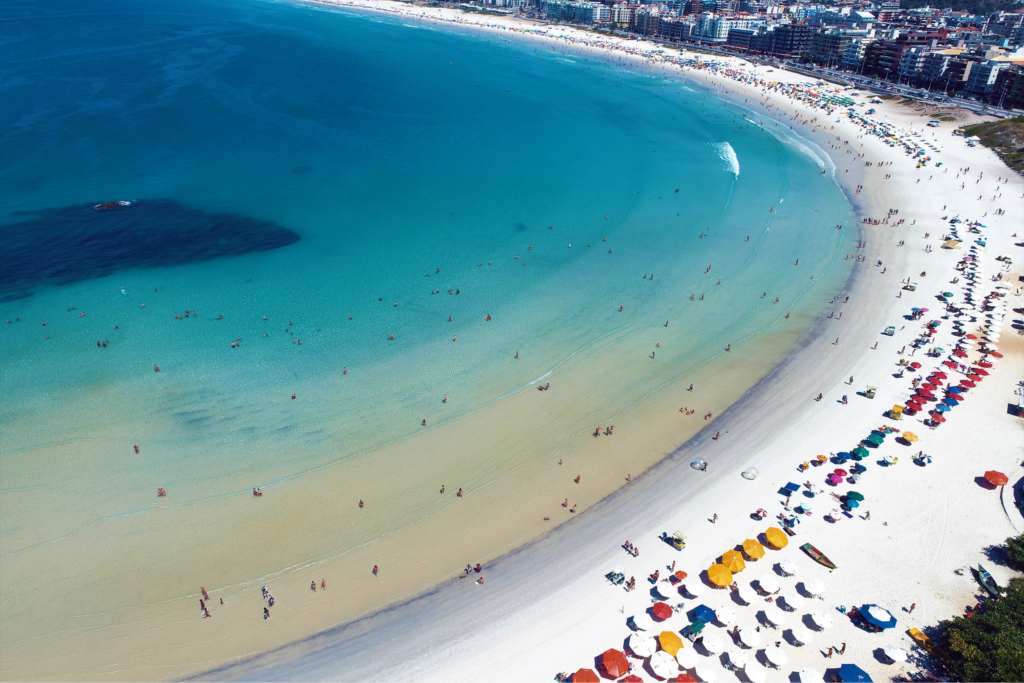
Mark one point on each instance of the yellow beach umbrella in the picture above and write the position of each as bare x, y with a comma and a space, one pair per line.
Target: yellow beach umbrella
777, 537
733, 561
670, 642
910, 436
753, 549
719, 575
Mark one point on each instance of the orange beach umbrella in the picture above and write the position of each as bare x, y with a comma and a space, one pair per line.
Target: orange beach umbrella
996, 478
777, 537
614, 663
753, 549
733, 561
585, 676
719, 575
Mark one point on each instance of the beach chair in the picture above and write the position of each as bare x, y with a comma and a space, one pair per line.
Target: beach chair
890, 331
616, 577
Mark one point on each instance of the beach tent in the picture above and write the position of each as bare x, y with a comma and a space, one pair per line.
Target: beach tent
810, 676
686, 658
614, 663
719, 575
663, 665
822, 620
878, 616
661, 611
706, 672
733, 561
851, 673
670, 642
753, 549
585, 676
996, 478
642, 646
704, 613
776, 537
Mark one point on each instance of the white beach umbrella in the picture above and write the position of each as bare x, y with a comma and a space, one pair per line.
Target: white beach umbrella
802, 635
788, 567
992, 347
643, 621
706, 671
776, 616
776, 655
769, 583
895, 654
713, 644
642, 646
794, 600
821, 619
687, 658
738, 658
814, 587
750, 637
756, 672
746, 593
695, 588
810, 676
663, 664
725, 616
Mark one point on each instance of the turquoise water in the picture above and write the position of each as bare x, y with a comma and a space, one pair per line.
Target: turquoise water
407, 160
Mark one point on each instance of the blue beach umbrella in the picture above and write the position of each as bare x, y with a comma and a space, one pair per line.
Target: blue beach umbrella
942, 408
852, 503
955, 390
851, 673
878, 616
952, 402
704, 613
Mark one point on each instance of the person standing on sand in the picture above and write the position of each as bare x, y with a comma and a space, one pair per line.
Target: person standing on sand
912, 606
842, 648
867, 515
828, 655
714, 518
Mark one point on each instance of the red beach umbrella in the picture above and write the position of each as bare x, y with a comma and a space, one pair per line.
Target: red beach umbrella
968, 384
926, 393
994, 354
915, 365
586, 676
632, 678
614, 663
959, 354
940, 375
661, 610
938, 418
984, 364
684, 678
970, 336
929, 386
981, 371
841, 472
949, 364
916, 400
935, 380
996, 478
974, 378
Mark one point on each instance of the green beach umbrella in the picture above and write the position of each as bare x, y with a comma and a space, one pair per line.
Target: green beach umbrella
876, 439
853, 495
860, 452
947, 294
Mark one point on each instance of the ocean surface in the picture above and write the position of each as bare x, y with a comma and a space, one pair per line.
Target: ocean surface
343, 229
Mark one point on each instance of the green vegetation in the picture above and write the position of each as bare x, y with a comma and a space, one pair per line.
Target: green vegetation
989, 646
1005, 137
1015, 551
972, 6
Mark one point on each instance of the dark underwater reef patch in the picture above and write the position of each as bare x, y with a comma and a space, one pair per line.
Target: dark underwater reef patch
74, 243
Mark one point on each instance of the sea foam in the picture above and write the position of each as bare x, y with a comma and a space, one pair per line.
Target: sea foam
727, 154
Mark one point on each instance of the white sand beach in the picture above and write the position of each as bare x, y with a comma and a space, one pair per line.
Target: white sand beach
548, 608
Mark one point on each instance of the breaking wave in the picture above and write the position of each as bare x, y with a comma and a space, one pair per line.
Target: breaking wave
728, 156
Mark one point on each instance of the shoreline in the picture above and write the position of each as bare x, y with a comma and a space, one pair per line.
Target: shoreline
344, 646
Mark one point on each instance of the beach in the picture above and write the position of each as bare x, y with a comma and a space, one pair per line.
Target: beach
549, 597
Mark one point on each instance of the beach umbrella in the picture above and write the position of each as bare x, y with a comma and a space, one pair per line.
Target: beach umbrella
738, 658
810, 676
984, 364
878, 616
699, 464
852, 503
776, 537
956, 390
750, 473
719, 575
878, 439
794, 600
967, 384
680, 575
706, 672
746, 593
821, 619
996, 478
756, 672
860, 452
713, 644
726, 616
769, 583
995, 354
938, 418
776, 655
733, 561
632, 678
822, 458
935, 380
841, 472
682, 678
704, 613
981, 371
695, 588
663, 664
753, 549
929, 386
670, 642
801, 635
835, 478
814, 587
686, 658
974, 378
614, 663
970, 336
951, 402
940, 375
949, 364
895, 654
915, 365
788, 567
661, 611
856, 495
750, 637
851, 673
942, 408
585, 676
776, 616
924, 392
643, 621
959, 354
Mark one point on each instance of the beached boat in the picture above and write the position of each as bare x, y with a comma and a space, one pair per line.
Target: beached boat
987, 582
112, 205
817, 555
